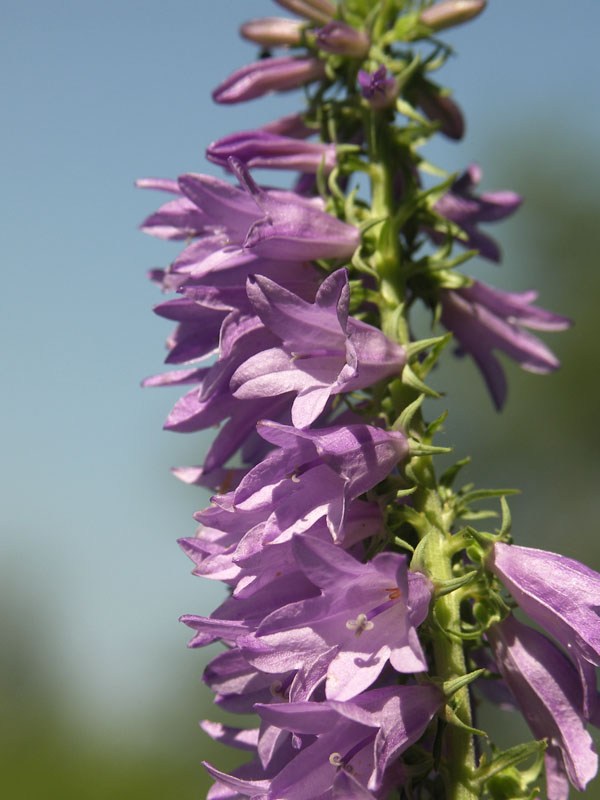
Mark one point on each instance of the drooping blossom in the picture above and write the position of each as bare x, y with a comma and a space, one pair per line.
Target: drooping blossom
268, 75
362, 738
440, 108
462, 206
259, 148
365, 615
323, 351
561, 595
548, 692
484, 319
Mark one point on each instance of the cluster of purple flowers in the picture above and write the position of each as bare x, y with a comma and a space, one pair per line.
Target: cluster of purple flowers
322, 641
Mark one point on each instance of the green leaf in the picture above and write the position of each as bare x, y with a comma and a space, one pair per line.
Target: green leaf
483, 494
508, 758
448, 477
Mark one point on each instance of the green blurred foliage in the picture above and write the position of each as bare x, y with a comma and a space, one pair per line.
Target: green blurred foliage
545, 443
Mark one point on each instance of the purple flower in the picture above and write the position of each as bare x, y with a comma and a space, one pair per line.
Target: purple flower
561, 595
291, 125
462, 206
484, 319
342, 39
260, 148
378, 87
268, 75
451, 12
362, 738
323, 351
278, 225
440, 108
547, 690
365, 615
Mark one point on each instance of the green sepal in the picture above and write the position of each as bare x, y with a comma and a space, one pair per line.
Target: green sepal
416, 448
406, 417
414, 348
436, 350
449, 716
361, 265
483, 494
411, 379
446, 587
370, 223
435, 426
453, 685
447, 478
404, 544
506, 524
510, 758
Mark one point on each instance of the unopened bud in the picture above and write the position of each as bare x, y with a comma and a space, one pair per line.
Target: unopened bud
440, 108
341, 39
451, 12
320, 11
273, 31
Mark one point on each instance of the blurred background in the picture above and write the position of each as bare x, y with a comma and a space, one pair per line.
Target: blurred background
100, 697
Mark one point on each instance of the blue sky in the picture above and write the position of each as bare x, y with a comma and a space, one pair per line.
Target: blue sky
96, 94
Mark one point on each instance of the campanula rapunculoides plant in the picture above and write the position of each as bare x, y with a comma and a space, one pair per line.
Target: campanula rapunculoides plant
365, 614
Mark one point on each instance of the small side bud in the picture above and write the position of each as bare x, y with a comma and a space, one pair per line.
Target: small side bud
451, 12
341, 39
440, 108
273, 31
377, 87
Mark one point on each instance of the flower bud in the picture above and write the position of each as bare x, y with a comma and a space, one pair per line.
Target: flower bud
269, 151
341, 39
273, 31
268, 75
451, 12
320, 11
290, 125
440, 108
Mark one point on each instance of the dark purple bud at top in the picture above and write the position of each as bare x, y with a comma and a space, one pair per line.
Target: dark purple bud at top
320, 11
273, 31
451, 12
341, 39
378, 87
440, 108
267, 150
268, 75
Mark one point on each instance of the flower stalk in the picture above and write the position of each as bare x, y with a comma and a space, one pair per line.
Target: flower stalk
364, 611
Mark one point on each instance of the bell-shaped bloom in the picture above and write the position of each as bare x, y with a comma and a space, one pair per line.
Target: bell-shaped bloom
561, 595
462, 206
266, 150
314, 474
268, 75
362, 738
273, 31
484, 319
547, 689
323, 350
342, 39
278, 225
365, 615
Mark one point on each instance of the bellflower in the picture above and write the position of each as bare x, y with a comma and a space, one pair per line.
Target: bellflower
377, 87
365, 615
561, 595
484, 319
273, 31
442, 109
545, 685
320, 11
467, 210
266, 150
268, 75
342, 39
323, 352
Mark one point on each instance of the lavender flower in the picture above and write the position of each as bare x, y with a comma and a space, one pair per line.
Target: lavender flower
440, 108
561, 595
268, 75
546, 688
365, 615
269, 151
377, 87
484, 319
462, 206
323, 352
